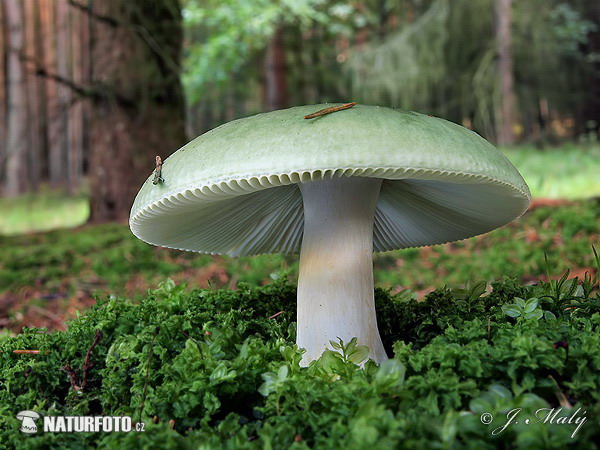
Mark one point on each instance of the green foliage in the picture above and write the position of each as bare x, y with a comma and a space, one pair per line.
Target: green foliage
443, 62
228, 34
406, 70
526, 309
434, 56
347, 353
217, 369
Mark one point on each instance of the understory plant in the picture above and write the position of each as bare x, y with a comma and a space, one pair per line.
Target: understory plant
220, 369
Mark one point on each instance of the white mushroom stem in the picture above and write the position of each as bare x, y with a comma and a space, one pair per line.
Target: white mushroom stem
335, 285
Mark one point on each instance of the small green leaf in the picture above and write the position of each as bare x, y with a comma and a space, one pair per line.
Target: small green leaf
270, 384
536, 314
530, 305
221, 373
282, 373
511, 310
335, 345
349, 348
390, 373
549, 316
500, 392
330, 360
520, 302
478, 290
359, 355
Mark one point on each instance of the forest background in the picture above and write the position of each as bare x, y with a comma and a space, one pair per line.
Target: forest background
92, 90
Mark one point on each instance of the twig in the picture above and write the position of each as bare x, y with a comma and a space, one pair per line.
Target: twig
72, 376
141, 31
275, 315
330, 110
96, 92
87, 364
85, 367
99, 17
80, 90
560, 395
158, 171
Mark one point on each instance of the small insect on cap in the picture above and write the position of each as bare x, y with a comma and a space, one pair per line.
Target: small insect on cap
233, 190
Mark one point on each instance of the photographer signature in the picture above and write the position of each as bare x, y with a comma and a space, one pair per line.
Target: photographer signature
543, 415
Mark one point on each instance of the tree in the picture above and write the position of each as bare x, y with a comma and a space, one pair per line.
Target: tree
137, 108
16, 111
505, 70
275, 73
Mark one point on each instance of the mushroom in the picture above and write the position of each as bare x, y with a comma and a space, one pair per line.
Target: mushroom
28, 419
334, 188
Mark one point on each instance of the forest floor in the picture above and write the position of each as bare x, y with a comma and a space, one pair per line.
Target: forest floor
45, 278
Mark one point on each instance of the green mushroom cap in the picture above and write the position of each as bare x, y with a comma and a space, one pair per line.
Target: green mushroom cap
233, 190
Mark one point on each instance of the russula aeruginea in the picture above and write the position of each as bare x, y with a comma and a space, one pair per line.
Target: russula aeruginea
334, 188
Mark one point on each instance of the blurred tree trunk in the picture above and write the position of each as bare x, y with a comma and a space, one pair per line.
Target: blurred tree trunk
16, 128
65, 95
138, 107
3, 98
53, 125
37, 96
33, 134
276, 96
591, 106
75, 111
507, 96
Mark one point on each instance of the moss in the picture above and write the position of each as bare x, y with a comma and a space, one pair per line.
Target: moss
213, 365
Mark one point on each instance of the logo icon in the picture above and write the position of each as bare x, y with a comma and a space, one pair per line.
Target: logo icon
28, 419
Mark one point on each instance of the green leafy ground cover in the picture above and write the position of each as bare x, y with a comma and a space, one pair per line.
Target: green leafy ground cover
212, 369
45, 276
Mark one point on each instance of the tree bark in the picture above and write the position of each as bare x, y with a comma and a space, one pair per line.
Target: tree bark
590, 110
140, 110
75, 111
507, 96
63, 54
276, 73
16, 130
53, 124
3, 99
34, 154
